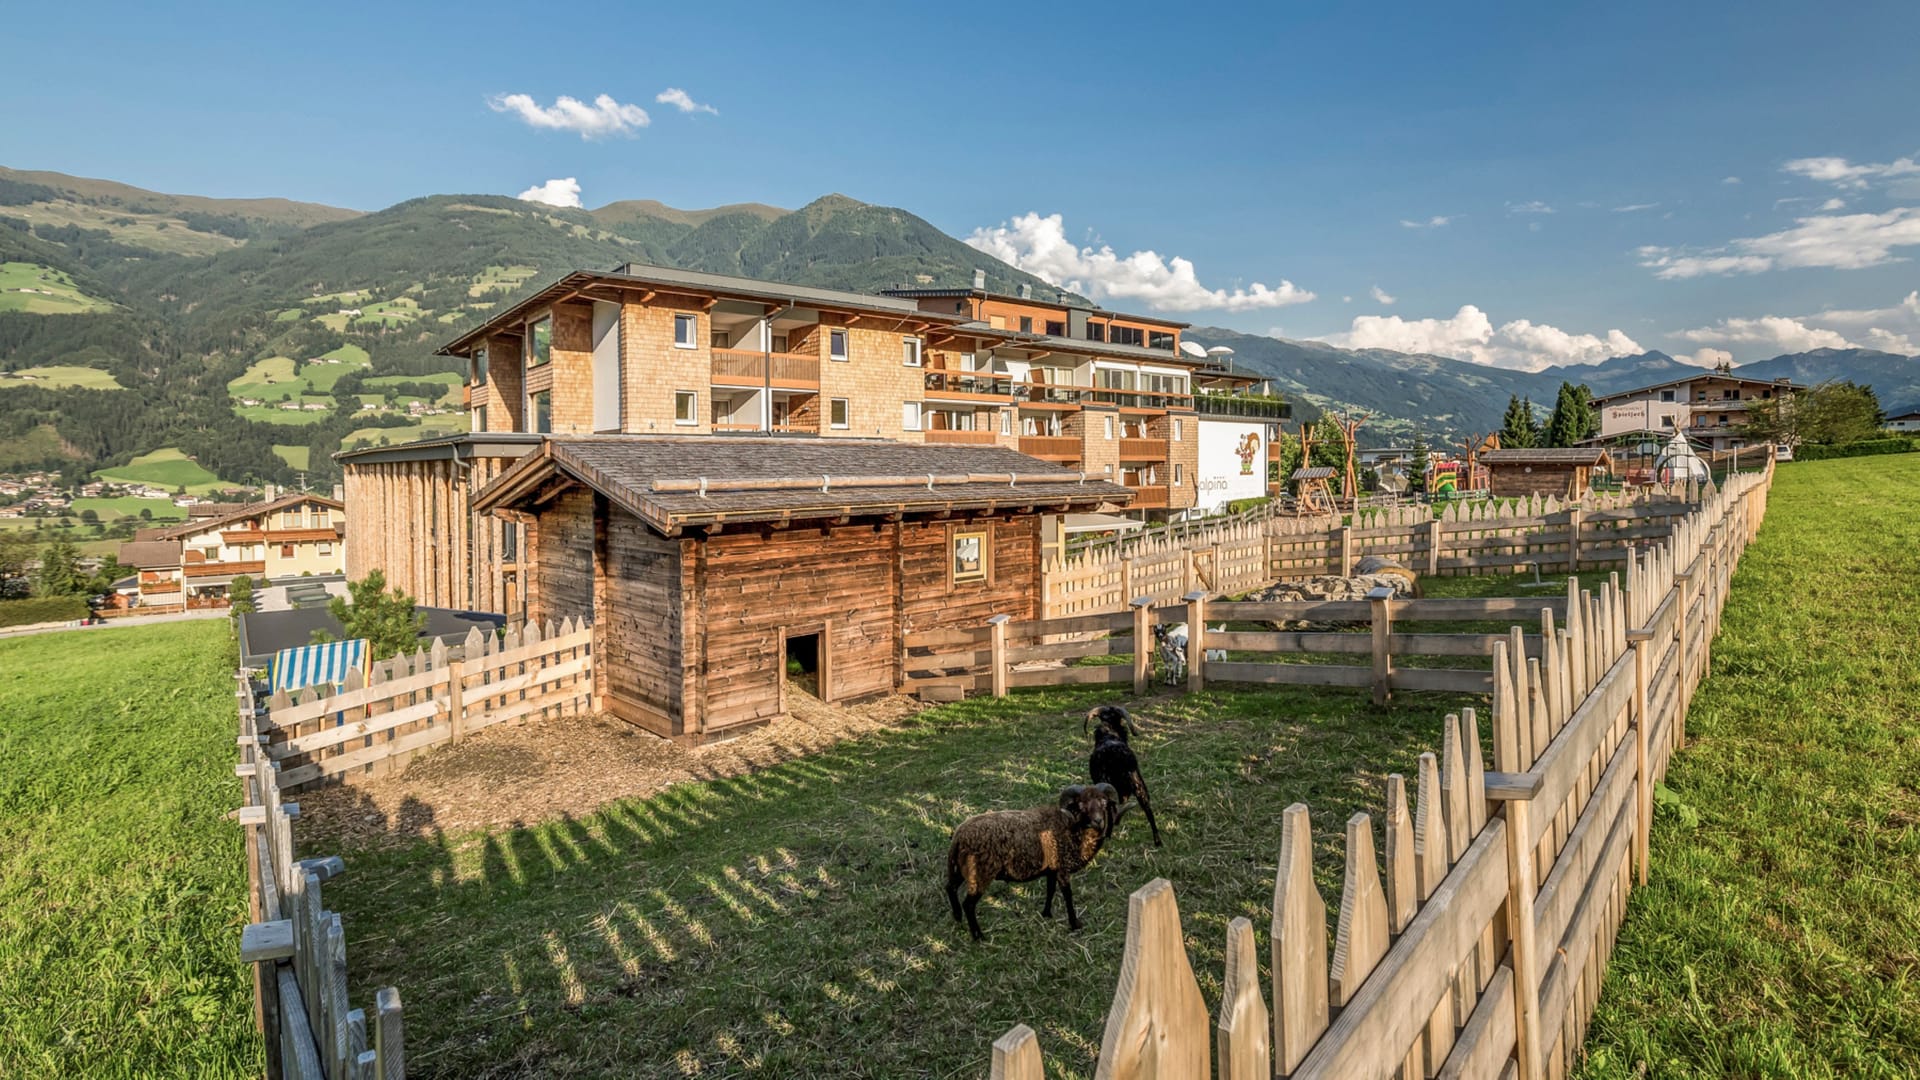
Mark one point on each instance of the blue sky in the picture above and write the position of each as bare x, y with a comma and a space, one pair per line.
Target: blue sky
1511, 184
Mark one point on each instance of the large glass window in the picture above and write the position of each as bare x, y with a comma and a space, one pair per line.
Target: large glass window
910, 351
686, 407
837, 414
686, 331
540, 343
836, 344
543, 412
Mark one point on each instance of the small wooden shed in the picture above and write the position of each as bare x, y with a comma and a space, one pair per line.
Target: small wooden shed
710, 565
1566, 472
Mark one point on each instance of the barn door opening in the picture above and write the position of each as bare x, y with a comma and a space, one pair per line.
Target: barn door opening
805, 659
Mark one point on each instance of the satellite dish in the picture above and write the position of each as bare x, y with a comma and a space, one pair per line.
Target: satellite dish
1219, 350
1193, 350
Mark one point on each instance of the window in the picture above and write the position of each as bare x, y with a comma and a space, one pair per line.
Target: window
910, 416
686, 407
1176, 430
1109, 427
1026, 324
480, 418
326, 548
540, 343
1160, 339
1096, 331
686, 331
1666, 395
479, 366
1056, 329
1666, 421
837, 345
286, 551
838, 414
1176, 474
1006, 421
779, 342
290, 517
1128, 335
543, 412
910, 351
970, 556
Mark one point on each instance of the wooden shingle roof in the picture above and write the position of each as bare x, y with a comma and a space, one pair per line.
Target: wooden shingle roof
1590, 456
673, 481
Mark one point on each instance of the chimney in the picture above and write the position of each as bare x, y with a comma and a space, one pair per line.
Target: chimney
1026, 291
980, 280
271, 492
339, 493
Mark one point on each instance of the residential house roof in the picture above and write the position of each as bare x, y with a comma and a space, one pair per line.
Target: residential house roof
238, 512
150, 554
1590, 456
1704, 373
673, 481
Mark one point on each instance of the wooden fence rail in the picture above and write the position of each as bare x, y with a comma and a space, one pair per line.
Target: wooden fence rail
1480, 950
396, 708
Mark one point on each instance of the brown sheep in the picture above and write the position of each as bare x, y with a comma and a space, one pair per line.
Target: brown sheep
1019, 845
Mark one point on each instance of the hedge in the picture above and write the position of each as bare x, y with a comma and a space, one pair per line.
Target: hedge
42, 609
1863, 448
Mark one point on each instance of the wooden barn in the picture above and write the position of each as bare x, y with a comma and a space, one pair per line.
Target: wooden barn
1567, 473
709, 565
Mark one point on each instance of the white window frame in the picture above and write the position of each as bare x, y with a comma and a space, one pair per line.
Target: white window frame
839, 334
693, 338
1006, 421
1109, 421
1176, 429
914, 346
1176, 474
691, 396
845, 405
910, 416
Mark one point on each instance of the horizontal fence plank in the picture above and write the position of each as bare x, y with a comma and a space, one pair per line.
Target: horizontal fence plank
313, 710
1372, 1034
1290, 641
1572, 949
340, 763
529, 680
372, 725
1289, 610
1443, 680
1072, 624
561, 643
1289, 674
1476, 609
1567, 756
1452, 644
1072, 676
934, 639
1072, 650
1487, 1040
553, 699
1554, 902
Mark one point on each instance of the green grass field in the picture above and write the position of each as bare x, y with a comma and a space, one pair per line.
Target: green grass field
1780, 933
122, 890
161, 510
166, 467
42, 290
394, 436
297, 456
269, 414
60, 376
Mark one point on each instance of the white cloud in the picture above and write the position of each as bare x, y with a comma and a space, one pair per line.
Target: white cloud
1437, 221
1039, 245
1778, 332
1891, 329
1380, 296
1907, 309
1837, 242
1636, 207
563, 192
602, 118
681, 100
1834, 204
1729, 179
1844, 174
1470, 335
1705, 358
1532, 206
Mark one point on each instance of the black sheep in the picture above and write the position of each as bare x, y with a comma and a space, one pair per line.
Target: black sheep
1056, 841
1113, 761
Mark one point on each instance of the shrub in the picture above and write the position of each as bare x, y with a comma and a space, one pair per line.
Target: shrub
42, 609
1860, 448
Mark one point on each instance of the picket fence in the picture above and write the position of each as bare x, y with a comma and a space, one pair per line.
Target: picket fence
1480, 950
399, 707
296, 946
1467, 537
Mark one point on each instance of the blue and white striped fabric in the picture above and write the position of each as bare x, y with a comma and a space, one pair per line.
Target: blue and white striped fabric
311, 665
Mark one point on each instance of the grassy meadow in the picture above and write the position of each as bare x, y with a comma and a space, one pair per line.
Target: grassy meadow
166, 467
1780, 933
122, 890
42, 290
60, 377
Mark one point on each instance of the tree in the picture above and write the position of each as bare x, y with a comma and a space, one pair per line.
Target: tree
59, 573
89, 516
16, 551
1417, 468
109, 571
240, 597
386, 619
1828, 414
1573, 417
146, 513
1517, 431
1285, 453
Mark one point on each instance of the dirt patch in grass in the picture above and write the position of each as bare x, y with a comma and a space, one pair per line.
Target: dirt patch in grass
547, 769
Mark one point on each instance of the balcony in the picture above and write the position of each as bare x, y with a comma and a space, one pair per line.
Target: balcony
753, 368
1064, 448
968, 386
963, 438
1143, 400
1044, 395
1243, 406
1143, 449
1153, 497
255, 567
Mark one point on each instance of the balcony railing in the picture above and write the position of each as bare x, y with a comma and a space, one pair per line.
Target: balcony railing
751, 367
1251, 408
963, 438
969, 386
1143, 449
1139, 399
1051, 447
1149, 498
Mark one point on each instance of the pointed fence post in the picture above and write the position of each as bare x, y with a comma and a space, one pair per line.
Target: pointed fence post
1297, 946
997, 643
1380, 600
1016, 1056
1242, 1036
1157, 1028
1196, 641
1142, 644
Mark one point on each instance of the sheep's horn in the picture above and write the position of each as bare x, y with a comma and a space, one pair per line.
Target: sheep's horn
1070, 796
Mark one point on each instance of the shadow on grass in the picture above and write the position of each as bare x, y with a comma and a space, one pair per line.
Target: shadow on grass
791, 921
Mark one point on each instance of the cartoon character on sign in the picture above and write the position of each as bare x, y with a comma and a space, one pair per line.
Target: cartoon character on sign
1248, 449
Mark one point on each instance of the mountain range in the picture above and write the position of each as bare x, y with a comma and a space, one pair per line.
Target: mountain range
257, 336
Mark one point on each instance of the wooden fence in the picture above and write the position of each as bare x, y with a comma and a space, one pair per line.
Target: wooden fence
1476, 946
396, 708
296, 946
1467, 537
